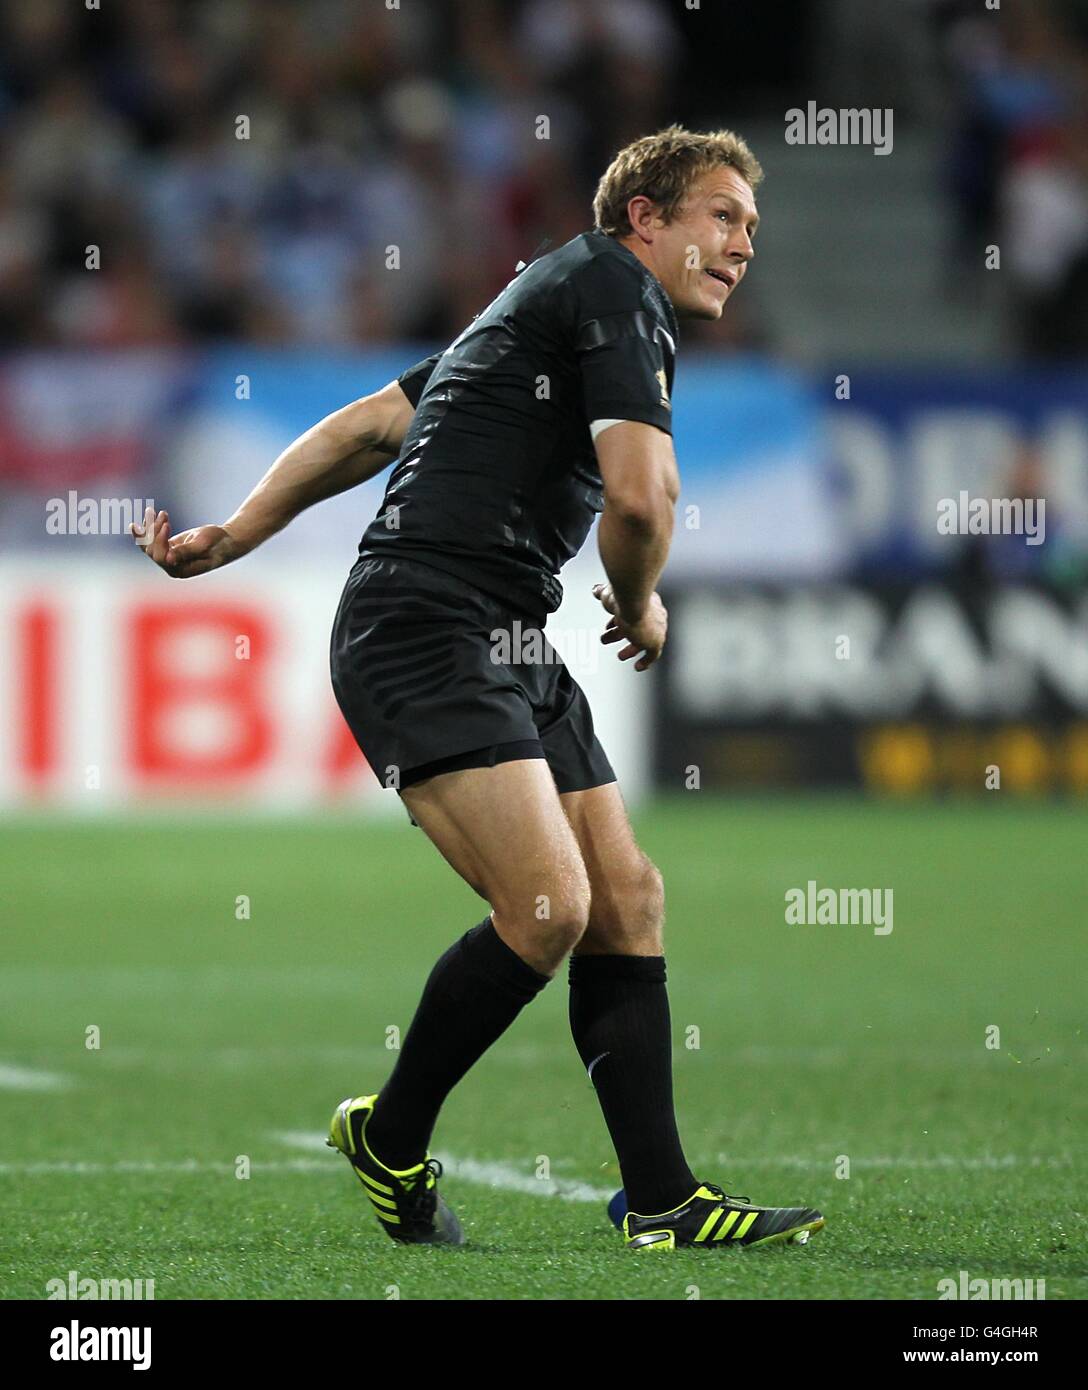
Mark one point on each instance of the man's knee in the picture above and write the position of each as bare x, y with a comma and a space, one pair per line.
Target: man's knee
640, 897
547, 926
568, 916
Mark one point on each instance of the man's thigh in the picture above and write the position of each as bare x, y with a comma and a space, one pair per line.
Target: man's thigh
504, 830
627, 906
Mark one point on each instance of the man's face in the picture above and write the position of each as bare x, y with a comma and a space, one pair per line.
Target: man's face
701, 256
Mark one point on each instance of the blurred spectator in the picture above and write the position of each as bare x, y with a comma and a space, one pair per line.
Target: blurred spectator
1019, 168
325, 173
331, 172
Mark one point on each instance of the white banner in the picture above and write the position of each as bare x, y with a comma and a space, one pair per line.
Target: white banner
119, 686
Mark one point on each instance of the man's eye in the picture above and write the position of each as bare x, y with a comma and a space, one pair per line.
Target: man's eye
723, 214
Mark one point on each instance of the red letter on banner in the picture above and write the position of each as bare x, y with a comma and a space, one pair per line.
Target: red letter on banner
37, 668
163, 687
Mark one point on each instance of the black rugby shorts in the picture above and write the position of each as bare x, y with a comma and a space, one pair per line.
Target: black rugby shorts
427, 683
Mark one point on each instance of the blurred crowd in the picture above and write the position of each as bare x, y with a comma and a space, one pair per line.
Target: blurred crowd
1019, 157
345, 172
245, 166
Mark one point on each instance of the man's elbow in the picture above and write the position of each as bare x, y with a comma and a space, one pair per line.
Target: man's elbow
363, 424
640, 513
377, 421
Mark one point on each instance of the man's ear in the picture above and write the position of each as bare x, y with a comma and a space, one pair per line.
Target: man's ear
642, 213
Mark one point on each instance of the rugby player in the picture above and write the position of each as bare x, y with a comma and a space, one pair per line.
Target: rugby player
552, 406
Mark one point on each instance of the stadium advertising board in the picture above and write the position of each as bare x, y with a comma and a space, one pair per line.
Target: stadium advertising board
906, 444
119, 686
901, 689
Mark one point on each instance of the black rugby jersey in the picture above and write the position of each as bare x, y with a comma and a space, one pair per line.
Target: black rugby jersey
497, 480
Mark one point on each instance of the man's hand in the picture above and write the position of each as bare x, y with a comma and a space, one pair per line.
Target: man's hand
188, 553
646, 636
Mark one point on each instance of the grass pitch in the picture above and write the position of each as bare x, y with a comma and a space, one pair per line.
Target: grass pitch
223, 1040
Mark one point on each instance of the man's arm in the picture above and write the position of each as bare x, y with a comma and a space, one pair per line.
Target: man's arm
340, 452
641, 485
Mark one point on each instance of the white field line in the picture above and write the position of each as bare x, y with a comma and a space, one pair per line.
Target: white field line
952, 1162
504, 1176
225, 1168
30, 1079
507, 1178
374, 1056
379, 1059
514, 1180
511, 1179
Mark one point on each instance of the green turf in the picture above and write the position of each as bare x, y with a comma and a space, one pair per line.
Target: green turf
218, 1035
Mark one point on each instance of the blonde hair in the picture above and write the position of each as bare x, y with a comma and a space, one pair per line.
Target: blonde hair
663, 167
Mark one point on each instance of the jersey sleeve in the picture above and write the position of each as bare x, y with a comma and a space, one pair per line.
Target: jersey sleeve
625, 354
414, 381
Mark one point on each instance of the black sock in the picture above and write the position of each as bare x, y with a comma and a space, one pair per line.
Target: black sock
619, 1016
474, 993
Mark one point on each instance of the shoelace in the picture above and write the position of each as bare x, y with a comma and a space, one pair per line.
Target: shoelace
422, 1196
725, 1196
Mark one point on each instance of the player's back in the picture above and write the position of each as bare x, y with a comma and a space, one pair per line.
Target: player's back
497, 480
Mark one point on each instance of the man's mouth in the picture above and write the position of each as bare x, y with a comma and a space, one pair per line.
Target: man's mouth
727, 277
